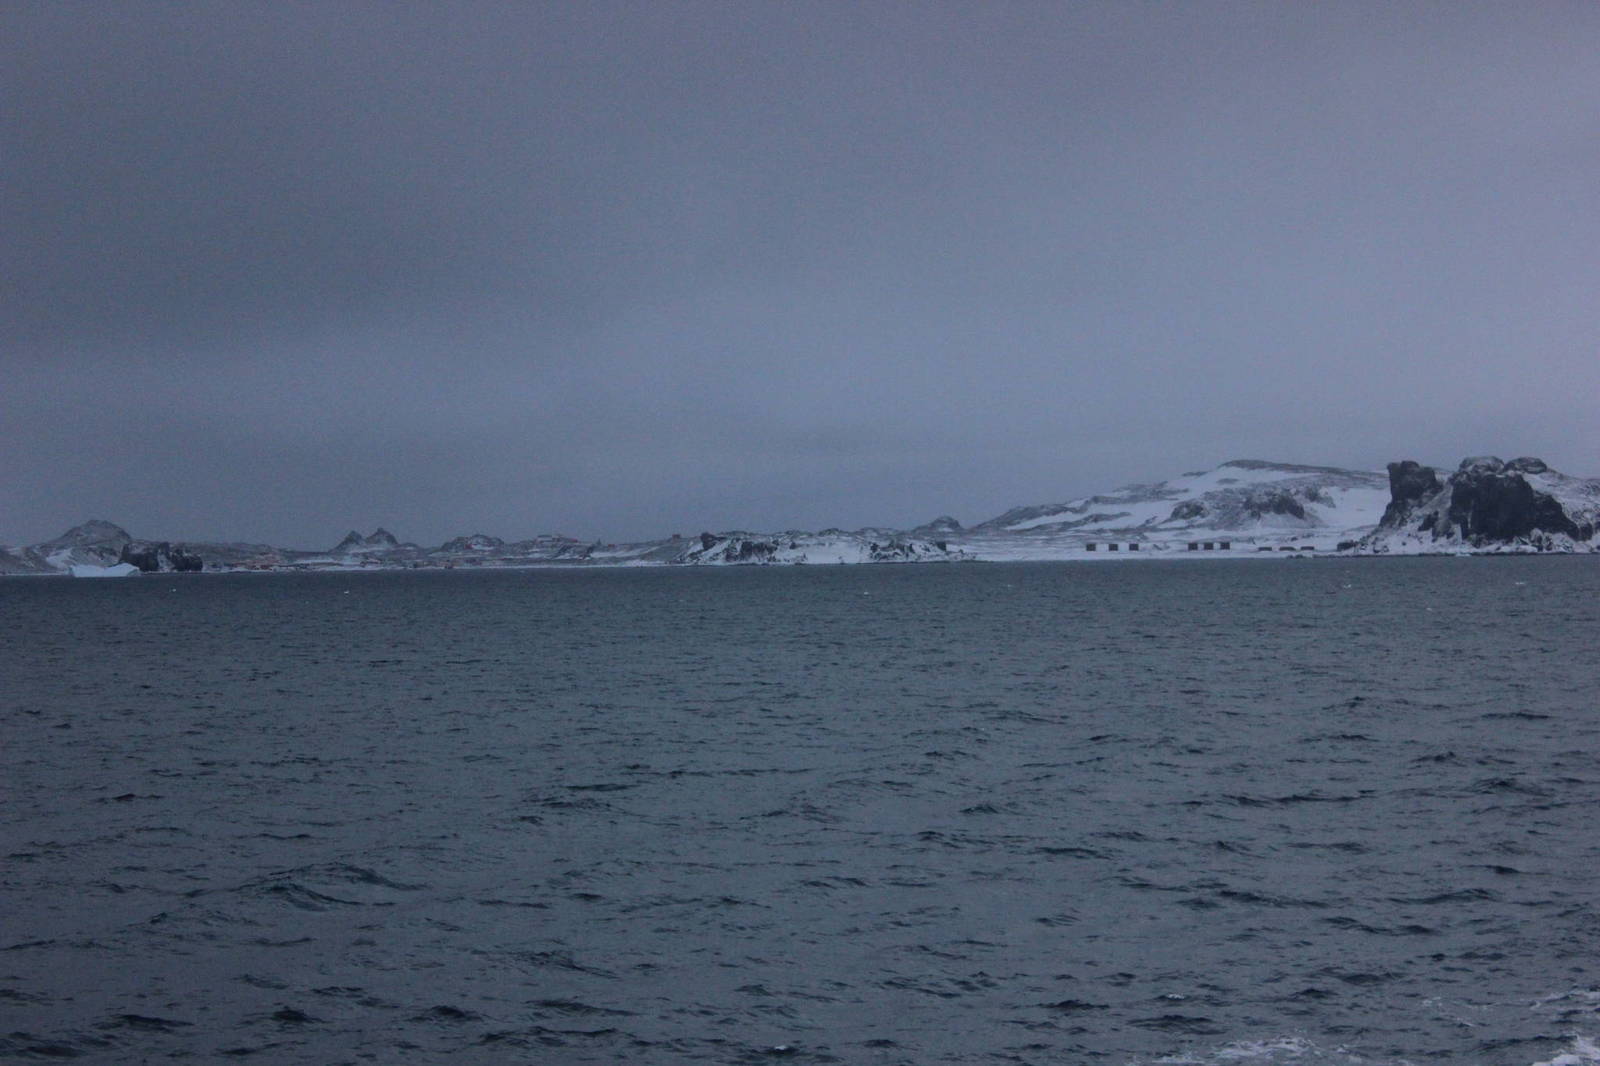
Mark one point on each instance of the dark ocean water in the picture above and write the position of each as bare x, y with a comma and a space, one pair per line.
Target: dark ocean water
1190, 812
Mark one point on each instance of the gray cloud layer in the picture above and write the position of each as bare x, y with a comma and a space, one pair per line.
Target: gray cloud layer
624, 269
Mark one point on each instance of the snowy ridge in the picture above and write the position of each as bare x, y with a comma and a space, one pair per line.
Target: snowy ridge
1245, 507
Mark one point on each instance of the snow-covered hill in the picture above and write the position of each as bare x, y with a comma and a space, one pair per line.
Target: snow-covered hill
94, 543
1249, 503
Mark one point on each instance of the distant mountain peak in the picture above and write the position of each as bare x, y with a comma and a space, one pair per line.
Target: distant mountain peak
94, 531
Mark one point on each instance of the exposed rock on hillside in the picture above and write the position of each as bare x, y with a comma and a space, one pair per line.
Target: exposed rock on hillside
829, 546
1487, 504
158, 556
475, 542
94, 543
379, 540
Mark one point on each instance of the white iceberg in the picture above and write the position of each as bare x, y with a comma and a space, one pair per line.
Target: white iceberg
119, 570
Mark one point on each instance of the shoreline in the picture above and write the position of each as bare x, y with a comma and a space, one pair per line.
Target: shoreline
1101, 559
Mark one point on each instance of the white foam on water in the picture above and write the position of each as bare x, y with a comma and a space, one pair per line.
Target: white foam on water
1298, 1051
1581, 1052
1269, 1052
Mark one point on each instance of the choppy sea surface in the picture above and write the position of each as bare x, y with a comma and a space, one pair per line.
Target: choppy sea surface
1248, 812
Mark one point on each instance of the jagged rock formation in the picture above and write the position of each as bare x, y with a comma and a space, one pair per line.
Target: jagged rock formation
158, 556
1486, 504
379, 540
473, 542
1410, 483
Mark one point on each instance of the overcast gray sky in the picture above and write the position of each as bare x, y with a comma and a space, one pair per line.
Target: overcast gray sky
272, 271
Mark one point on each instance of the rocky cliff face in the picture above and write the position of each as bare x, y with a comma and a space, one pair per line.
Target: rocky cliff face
161, 556
1487, 504
1410, 484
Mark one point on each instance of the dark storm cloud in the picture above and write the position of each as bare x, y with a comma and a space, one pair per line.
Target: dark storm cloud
273, 270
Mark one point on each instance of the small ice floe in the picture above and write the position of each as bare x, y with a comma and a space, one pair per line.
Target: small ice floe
119, 570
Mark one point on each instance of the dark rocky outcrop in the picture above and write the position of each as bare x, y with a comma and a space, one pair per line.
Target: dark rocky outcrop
474, 542
379, 540
1486, 503
161, 557
1492, 501
750, 551
1410, 484
1277, 501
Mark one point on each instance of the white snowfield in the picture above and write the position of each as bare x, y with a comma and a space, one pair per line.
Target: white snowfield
1250, 505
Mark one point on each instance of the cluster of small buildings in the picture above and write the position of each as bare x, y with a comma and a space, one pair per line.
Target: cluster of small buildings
1134, 545
1192, 545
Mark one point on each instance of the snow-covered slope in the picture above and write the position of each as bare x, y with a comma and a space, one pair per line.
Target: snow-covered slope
1250, 503
829, 546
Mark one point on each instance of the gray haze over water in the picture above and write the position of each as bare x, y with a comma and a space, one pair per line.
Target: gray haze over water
274, 270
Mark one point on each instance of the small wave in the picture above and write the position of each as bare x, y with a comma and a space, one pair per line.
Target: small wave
578, 1007
1187, 1024
145, 1023
1465, 895
1073, 1006
555, 960
1263, 899
1490, 786
1381, 930
1069, 852
292, 1016
1294, 798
